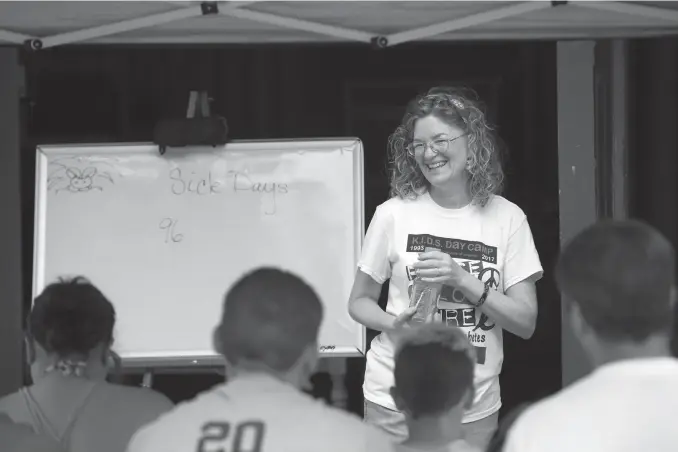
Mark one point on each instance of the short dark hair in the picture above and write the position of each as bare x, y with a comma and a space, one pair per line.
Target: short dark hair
270, 317
434, 367
621, 275
71, 317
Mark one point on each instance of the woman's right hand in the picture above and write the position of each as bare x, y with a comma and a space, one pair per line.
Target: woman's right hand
403, 319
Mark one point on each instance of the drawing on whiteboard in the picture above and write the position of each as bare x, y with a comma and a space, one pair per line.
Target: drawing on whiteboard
75, 180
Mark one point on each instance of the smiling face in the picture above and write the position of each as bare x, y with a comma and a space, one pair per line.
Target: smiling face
446, 168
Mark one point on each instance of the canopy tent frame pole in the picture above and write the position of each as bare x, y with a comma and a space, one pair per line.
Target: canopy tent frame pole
299, 24
650, 12
235, 9
468, 21
14, 38
182, 2
118, 27
152, 20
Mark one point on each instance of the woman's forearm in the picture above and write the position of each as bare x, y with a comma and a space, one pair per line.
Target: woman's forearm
514, 315
367, 312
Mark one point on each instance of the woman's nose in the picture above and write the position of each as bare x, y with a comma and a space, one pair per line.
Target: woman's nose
429, 151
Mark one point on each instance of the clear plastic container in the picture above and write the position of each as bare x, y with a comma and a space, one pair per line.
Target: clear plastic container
425, 297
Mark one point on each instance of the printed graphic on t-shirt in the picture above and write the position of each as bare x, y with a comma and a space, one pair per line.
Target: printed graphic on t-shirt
476, 258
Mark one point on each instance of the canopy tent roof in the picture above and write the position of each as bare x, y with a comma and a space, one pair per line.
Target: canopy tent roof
383, 23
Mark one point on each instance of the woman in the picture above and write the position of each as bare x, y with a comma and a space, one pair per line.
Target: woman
70, 331
446, 178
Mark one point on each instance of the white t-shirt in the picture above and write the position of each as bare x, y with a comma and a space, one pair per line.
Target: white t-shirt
258, 413
493, 243
627, 406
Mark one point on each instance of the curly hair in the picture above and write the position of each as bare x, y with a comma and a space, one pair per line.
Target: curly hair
460, 107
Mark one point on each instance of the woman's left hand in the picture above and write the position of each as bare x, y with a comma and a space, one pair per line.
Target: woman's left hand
439, 267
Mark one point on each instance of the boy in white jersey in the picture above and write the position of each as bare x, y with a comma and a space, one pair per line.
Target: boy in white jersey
433, 376
268, 336
617, 279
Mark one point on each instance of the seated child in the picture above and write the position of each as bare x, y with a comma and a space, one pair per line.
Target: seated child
433, 386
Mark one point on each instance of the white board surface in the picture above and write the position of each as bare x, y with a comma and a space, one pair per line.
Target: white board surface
164, 237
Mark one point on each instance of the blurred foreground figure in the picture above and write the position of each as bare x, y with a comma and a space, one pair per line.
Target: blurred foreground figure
69, 339
434, 368
617, 282
269, 338
20, 438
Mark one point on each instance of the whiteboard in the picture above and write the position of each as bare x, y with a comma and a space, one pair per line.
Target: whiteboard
164, 237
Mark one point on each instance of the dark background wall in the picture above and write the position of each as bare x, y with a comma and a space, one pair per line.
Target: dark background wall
653, 134
11, 336
653, 139
116, 94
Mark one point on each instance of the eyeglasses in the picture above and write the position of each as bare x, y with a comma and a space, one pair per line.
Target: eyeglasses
437, 146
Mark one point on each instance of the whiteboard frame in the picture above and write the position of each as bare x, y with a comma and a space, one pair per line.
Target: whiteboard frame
43, 152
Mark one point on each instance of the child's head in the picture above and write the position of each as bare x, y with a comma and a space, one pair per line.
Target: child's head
72, 321
434, 367
271, 319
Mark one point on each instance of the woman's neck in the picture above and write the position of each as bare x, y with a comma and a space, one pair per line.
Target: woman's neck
453, 197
